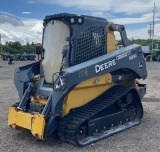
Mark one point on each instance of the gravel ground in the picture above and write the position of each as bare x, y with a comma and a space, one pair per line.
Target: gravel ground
142, 138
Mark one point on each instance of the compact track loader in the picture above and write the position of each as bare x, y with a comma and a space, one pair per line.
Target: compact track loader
81, 88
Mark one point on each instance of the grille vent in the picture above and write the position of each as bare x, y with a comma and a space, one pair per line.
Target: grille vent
90, 44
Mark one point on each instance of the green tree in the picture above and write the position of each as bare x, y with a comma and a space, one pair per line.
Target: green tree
17, 48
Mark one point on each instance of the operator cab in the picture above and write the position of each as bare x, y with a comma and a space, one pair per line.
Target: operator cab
69, 40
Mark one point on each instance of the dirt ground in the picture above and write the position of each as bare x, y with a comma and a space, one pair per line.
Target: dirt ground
142, 138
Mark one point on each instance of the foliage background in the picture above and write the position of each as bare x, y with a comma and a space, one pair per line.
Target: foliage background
17, 48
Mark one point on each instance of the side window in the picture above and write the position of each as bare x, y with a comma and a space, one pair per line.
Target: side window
118, 40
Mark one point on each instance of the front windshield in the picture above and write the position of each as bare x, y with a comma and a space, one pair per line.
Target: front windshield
53, 42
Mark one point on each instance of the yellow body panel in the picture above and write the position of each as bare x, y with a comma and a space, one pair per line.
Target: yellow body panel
87, 91
38, 125
33, 122
110, 39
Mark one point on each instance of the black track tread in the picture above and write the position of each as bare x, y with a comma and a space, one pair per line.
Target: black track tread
69, 125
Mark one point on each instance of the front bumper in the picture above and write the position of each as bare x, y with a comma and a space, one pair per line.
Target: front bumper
34, 122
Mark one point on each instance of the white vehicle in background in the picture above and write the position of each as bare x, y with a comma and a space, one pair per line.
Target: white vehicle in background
146, 50
119, 46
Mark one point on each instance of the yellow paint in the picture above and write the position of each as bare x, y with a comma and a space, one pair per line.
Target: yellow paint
87, 91
33, 122
110, 39
35, 98
38, 125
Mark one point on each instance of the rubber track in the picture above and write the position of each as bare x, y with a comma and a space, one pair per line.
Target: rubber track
68, 127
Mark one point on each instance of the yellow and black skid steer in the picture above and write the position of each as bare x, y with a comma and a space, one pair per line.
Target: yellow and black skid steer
82, 88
